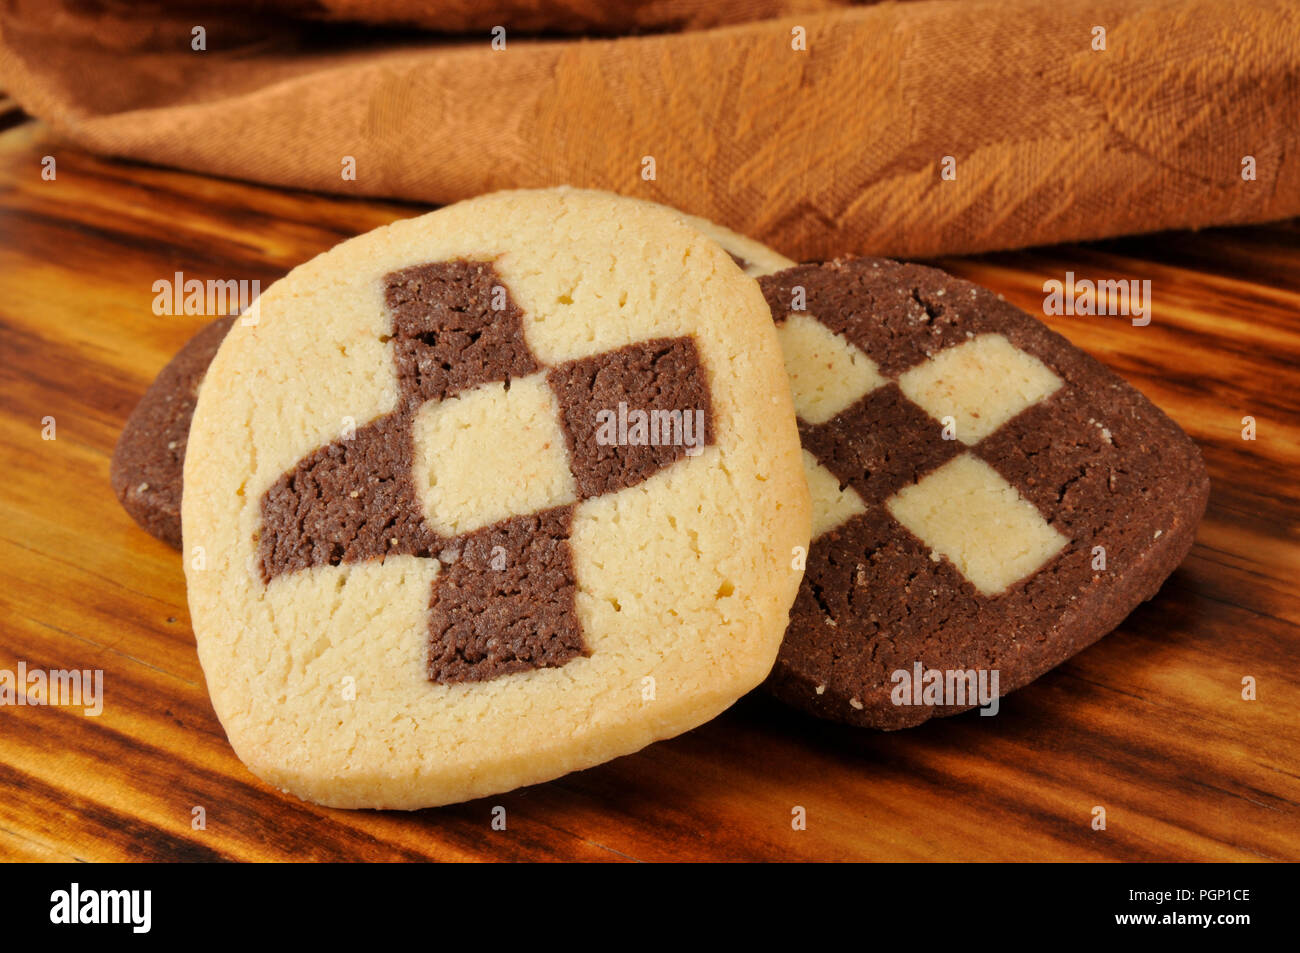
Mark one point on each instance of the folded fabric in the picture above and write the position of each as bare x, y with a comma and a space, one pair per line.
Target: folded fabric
909, 130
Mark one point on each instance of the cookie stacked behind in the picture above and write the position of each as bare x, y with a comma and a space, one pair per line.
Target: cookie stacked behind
988, 500
491, 495
755, 258
150, 453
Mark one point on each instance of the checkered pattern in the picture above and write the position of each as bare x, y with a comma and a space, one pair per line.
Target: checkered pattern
504, 599
943, 491
944, 553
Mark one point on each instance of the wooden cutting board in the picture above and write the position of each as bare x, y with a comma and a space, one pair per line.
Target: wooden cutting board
1149, 724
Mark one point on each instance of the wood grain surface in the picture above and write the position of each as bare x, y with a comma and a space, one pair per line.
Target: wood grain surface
1149, 724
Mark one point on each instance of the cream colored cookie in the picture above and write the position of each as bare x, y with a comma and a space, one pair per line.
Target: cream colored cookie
754, 257
490, 495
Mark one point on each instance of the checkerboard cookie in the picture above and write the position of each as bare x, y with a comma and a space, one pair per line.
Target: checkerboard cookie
490, 495
986, 497
147, 462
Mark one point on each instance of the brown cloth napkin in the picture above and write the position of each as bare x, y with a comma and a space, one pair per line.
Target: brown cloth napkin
831, 149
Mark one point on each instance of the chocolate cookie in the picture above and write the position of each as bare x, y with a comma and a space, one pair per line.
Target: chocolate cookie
150, 453
988, 500
490, 495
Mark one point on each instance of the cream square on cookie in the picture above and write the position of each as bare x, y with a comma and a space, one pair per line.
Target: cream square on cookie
982, 384
489, 453
966, 512
827, 373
